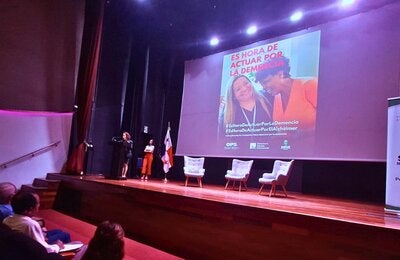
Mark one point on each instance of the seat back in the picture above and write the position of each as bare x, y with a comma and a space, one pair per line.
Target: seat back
241, 168
193, 165
282, 170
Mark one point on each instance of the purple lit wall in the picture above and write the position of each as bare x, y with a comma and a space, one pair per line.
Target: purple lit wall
25, 132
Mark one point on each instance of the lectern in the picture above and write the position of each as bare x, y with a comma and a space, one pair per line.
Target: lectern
117, 159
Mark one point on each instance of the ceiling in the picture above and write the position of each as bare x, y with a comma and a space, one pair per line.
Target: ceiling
188, 24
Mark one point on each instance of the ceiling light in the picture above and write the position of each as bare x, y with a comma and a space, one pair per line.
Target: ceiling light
296, 16
346, 3
214, 41
251, 30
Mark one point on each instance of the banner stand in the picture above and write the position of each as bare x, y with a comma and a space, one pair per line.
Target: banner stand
393, 158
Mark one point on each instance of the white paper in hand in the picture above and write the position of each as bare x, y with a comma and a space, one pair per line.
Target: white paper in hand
71, 246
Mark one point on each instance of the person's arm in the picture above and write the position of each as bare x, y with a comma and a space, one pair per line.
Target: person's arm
149, 149
311, 92
40, 221
34, 231
130, 145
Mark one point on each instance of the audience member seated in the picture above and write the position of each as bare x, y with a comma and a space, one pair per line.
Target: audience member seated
7, 191
25, 205
52, 235
107, 243
15, 245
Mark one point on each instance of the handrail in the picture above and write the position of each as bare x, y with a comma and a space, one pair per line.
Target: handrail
29, 155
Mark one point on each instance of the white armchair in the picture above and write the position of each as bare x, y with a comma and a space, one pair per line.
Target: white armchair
279, 176
194, 169
240, 172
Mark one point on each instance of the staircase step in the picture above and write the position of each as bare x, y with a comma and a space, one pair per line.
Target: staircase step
50, 184
32, 188
47, 196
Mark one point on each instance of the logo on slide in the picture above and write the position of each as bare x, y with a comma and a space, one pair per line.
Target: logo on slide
231, 146
259, 146
285, 146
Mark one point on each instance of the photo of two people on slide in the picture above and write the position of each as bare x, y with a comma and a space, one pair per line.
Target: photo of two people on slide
284, 107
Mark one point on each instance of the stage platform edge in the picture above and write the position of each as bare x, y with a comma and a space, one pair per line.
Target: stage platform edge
213, 223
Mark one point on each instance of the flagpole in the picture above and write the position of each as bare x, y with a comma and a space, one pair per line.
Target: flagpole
165, 173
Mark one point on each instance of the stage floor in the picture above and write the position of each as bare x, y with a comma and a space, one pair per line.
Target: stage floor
296, 203
214, 223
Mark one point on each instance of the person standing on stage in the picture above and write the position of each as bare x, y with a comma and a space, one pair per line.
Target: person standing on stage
127, 146
148, 160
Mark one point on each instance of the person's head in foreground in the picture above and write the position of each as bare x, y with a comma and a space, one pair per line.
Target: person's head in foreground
25, 203
7, 191
107, 242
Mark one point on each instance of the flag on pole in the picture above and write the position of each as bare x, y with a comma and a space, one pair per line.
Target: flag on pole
168, 158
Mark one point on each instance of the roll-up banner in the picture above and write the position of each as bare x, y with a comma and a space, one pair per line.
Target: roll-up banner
393, 157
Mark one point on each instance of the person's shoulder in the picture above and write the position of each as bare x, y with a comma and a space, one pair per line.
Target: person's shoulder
308, 81
5, 210
307, 84
22, 219
312, 81
310, 86
13, 218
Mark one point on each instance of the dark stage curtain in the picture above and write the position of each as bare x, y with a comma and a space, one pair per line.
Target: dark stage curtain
86, 86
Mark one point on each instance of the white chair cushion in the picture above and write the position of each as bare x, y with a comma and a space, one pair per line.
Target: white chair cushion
280, 168
192, 174
193, 165
266, 180
240, 169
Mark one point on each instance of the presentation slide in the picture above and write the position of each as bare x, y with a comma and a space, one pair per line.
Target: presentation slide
269, 95
318, 94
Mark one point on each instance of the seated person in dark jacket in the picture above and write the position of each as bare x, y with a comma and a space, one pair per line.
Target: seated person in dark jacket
15, 245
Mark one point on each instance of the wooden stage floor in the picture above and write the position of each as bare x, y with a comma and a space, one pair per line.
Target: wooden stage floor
331, 228
322, 207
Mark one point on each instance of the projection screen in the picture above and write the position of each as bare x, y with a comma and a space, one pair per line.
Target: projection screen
315, 94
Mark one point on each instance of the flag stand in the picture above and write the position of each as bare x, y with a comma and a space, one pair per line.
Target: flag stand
167, 158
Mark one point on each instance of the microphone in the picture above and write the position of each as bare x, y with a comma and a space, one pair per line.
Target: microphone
116, 139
